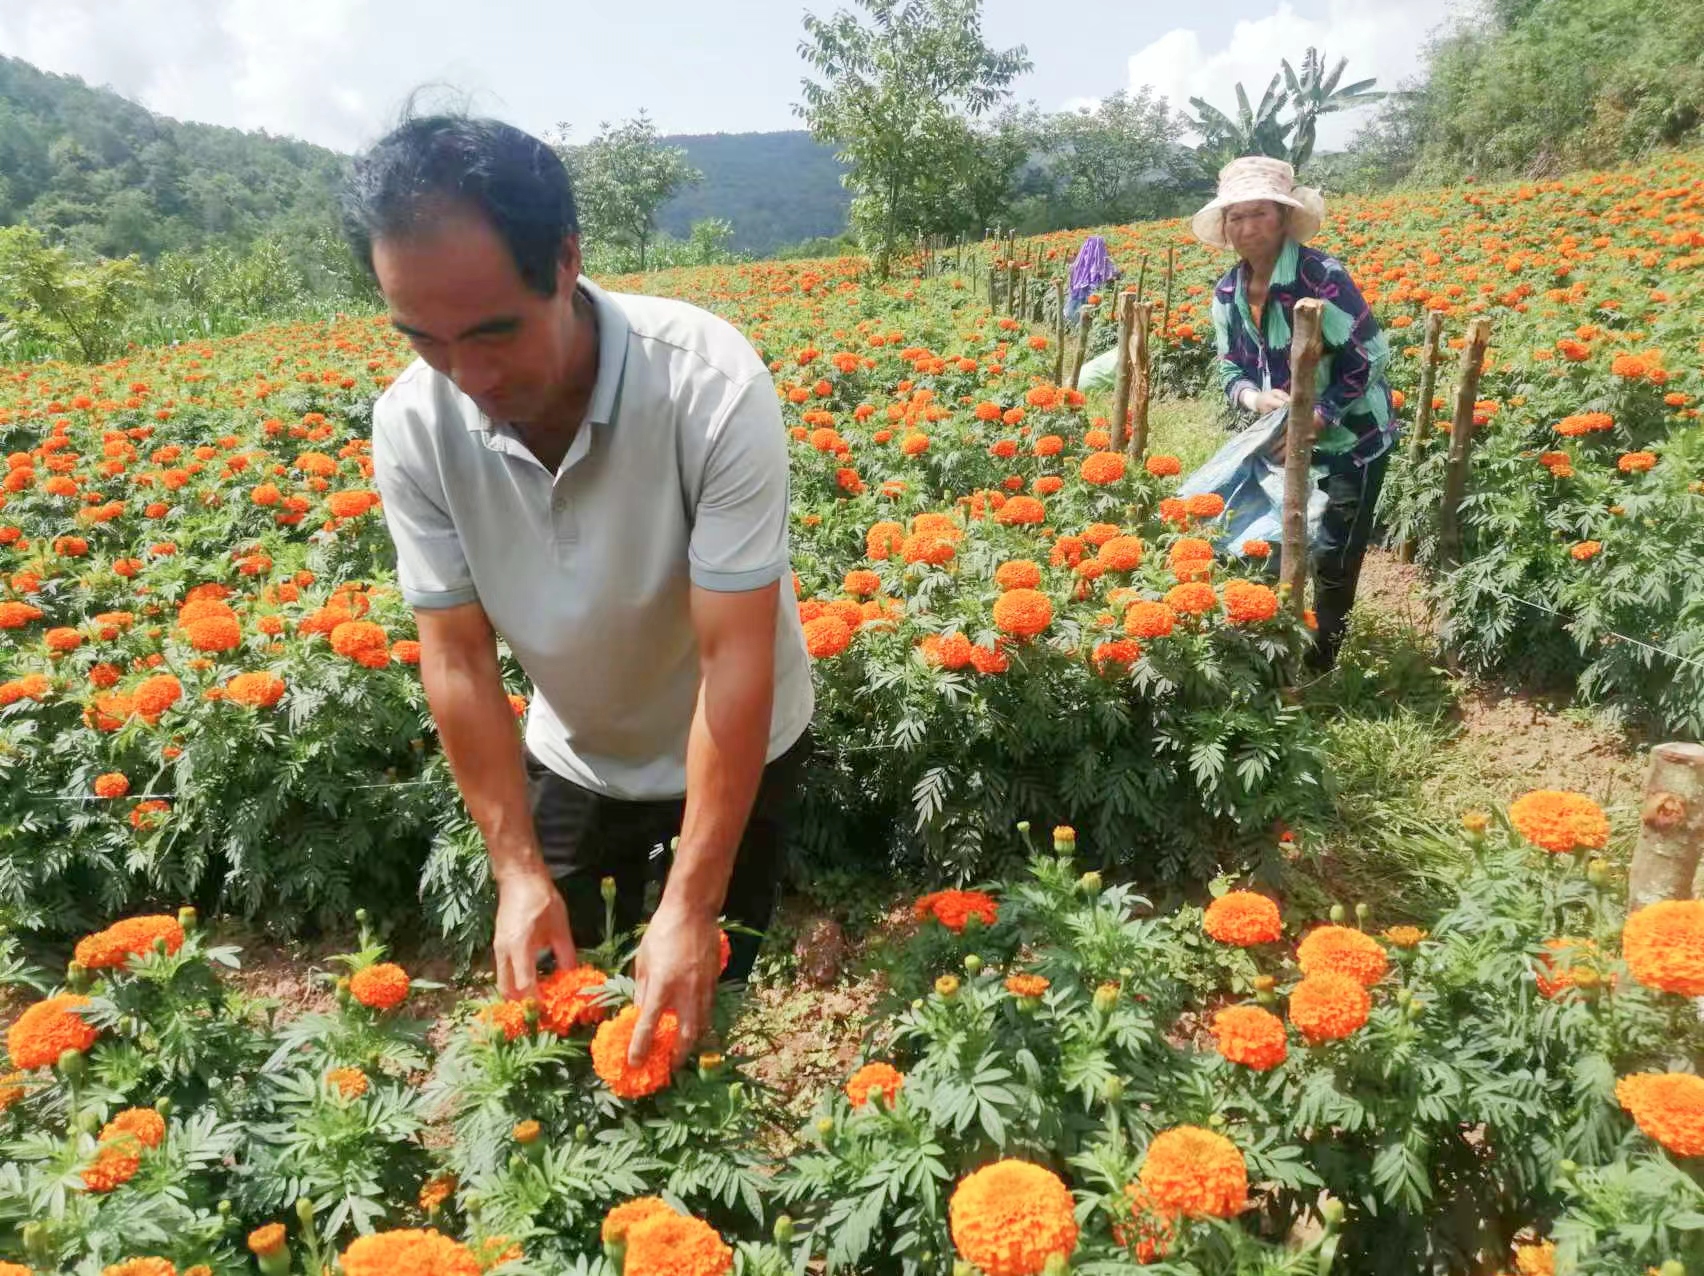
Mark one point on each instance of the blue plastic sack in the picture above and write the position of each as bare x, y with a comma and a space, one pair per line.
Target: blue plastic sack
1252, 487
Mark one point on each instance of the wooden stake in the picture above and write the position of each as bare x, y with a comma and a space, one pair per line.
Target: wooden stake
1140, 367
1141, 276
1671, 827
1298, 450
1023, 292
1012, 286
1082, 345
1423, 410
1461, 442
1059, 332
1121, 387
1165, 314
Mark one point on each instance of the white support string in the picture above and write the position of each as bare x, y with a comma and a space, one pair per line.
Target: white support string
1609, 633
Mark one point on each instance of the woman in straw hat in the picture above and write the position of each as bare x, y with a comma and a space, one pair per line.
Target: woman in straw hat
1266, 219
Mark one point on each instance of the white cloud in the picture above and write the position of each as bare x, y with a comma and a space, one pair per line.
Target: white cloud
1381, 38
245, 63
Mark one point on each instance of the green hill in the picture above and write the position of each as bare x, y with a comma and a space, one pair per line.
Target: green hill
776, 188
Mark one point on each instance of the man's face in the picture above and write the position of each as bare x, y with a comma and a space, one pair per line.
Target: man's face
1255, 228
454, 291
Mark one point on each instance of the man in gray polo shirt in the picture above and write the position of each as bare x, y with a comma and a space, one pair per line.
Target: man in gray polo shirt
600, 479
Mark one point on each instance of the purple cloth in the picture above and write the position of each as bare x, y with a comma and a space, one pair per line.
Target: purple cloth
1092, 267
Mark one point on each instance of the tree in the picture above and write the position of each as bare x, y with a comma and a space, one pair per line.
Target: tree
48, 297
1314, 93
621, 178
899, 78
1114, 162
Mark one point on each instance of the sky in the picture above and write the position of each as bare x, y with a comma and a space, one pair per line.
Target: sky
337, 72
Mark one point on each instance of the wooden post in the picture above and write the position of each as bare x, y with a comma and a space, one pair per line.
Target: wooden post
1082, 345
1165, 314
1671, 827
1144, 381
1121, 387
1012, 286
1423, 409
1059, 332
1023, 292
960, 267
1298, 451
1141, 276
1461, 442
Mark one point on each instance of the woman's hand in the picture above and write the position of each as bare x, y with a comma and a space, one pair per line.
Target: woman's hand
1269, 401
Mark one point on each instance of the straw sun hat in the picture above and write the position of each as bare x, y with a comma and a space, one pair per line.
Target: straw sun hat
1257, 177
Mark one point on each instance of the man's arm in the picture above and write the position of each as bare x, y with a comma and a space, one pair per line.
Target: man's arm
677, 967
464, 687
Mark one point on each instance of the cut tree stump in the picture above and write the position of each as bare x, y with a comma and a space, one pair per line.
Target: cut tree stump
1298, 451
1143, 387
1461, 441
1671, 827
1121, 387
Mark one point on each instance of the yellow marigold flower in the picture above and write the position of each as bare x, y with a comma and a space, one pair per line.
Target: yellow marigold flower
1010, 1217
1251, 1036
1344, 951
350, 1083
1663, 944
609, 1054
1404, 936
526, 1132
874, 1078
1559, 821
1329, 1006
1668, 1107
1536, 1260
1243, 918
1195, 1172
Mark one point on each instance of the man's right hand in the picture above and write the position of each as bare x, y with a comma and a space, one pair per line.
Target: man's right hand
530, 918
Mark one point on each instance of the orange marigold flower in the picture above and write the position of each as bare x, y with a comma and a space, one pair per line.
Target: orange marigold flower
1536, 1260
508, 1017
1204, 505
1560, 821
113, 784
827, 636
1116, 651
1251, 1036
609, 1054
1022, 510
405, 651
1149, 620
144, 815
927, 547
1636, 462
675, 1245
12, 1090
414, 1252
629, 1214
861, 583
144, 1125
1161, 465
363, 642
953, 908
142, 1267
1249, 603
1343, 950
1586, 549
62, 639
214, 633
153, 696
874, 1078
1404, 936
1190, 558
1023, 613
989, 659
1663, 945
435, 1191
1243, 918
350, 1083
1329, 1006
1010, 1217
1195, 1172
381, 986
1019, 573
1668, 1107
1191, 599
1027, 985
1102, 468
15, 615
914, 444
1554, 974
267, 1240
1121, 554
115, 1164
256, 690
568, 998
1257, 548
133, 937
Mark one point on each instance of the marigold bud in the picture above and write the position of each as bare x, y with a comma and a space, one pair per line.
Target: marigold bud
1112, 1089
1598, 873
88, 1120
1339, 914
73, 1065
1362, 912
526, 1132
1023, 826
972, 964
606, 888
1056, 1265
1264, 983
77, 976
582, 1133
1416, 1009
1090, 883
784, 1230
1331, 1212
1106, 997
305, 1211
1672, 1267
1476, 822
188, 918
825, 1126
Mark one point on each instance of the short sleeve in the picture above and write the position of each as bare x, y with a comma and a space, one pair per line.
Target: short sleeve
739, 526
430, 564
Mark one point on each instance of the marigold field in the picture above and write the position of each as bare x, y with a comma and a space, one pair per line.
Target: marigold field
209, 701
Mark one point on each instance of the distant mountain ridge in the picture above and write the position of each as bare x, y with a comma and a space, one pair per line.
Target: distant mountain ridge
111, 177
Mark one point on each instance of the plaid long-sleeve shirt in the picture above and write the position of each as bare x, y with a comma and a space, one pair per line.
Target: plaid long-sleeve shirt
1352, 393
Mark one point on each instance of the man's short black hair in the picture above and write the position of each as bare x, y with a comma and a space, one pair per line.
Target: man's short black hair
511, 178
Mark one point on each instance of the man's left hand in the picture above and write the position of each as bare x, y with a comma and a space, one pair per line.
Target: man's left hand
677, 967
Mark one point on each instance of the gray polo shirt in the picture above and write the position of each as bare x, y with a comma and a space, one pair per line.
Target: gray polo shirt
677, 477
